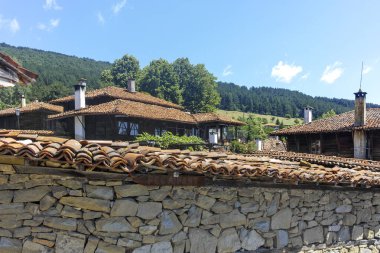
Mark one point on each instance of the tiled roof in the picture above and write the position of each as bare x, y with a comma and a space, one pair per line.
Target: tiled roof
31, 107
24, 76
213, 117
131, 109
134, 160
23, 133
340, 123
117, 92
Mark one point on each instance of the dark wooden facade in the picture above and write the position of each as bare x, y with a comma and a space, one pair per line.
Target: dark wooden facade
36, 120
107, 127
111, 127
340, 144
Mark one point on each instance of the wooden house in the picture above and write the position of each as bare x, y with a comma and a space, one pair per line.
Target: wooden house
122, 113
31, 116
351, 134
12, 73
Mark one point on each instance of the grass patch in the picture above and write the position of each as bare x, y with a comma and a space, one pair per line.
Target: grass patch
237, 114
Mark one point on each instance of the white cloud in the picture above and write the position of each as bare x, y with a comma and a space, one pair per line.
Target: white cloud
305, 76
285, 72
227, 71
9, 24
366, 69
332, 73
52, 5
14, 26
41, 26
118, 6
100, 18
53, 23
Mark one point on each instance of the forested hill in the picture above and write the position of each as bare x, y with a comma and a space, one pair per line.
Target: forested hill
278, 102
57, 72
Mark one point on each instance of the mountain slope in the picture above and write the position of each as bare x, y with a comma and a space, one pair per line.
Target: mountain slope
278, 102
55, 67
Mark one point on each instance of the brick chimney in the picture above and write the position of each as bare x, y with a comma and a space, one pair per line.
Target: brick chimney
308, 114
131, 85
360, 108
80, 102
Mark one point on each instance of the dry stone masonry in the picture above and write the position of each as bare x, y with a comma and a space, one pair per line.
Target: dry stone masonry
50, 213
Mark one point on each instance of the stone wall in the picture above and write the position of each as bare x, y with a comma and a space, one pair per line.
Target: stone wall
50, 213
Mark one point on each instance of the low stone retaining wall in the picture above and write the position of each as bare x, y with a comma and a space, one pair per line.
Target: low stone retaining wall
51, 213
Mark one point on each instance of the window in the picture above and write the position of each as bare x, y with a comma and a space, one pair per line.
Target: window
134, 129
195, 131
157, 131
123, 127
316, 147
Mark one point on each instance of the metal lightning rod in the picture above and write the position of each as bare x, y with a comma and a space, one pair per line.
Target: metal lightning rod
361, 76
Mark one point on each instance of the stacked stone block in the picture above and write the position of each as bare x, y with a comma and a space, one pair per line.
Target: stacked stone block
49, 213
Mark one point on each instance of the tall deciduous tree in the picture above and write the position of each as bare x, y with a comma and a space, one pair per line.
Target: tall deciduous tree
198, 86
127, 67
160, 80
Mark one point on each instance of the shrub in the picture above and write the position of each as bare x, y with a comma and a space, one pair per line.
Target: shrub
243, 148
169, 140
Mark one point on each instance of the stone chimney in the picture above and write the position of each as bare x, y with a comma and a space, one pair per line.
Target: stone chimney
360, 108
23, 101
360, 137
80, 102
131, 85
308, 114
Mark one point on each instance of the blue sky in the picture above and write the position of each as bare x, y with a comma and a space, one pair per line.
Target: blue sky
316, 47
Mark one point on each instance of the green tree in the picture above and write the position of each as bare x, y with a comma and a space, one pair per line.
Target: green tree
127, 67
198, 86
106, 78
160, 80
278, 121
184, 70
328, 114
296, 121
254, 128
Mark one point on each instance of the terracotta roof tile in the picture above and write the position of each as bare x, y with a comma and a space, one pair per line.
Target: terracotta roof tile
131, 109
340, 123
213, 117
121, 93
19, 133
268, 167
31, 107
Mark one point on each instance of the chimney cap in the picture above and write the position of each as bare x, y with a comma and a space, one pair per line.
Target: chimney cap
360, 93
81, 83
308, 107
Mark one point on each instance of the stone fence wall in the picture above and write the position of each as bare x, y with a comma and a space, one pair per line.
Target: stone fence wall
51, 213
